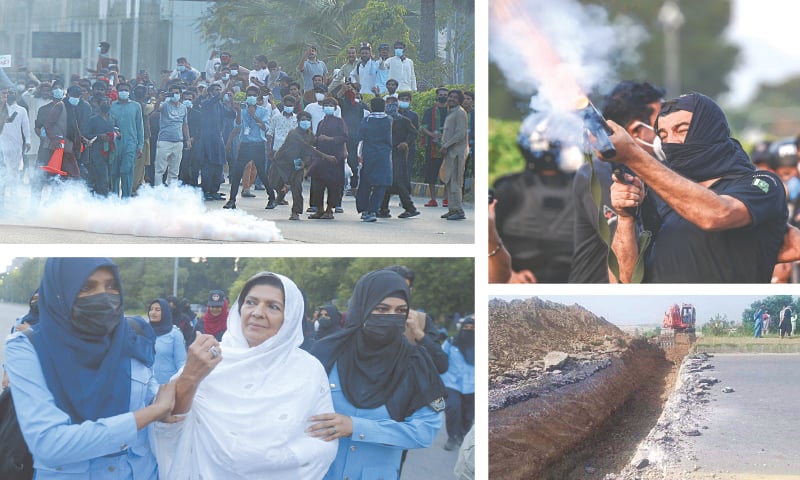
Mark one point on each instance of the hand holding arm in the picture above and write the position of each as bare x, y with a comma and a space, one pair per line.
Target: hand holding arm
200, 361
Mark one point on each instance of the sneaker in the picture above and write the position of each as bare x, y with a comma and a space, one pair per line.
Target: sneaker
370, 217
338, 210
208, 196
452, 444
446, 214
363, 214
431, 203
270, 205
230, 204
247, 194
444, 202
409, 214
294, 217
281, 202
217, 196
456, 216
327, 216
316, 216
311, 210
383, 214
259, 187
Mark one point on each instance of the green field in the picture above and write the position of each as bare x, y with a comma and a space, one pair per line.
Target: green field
771, 344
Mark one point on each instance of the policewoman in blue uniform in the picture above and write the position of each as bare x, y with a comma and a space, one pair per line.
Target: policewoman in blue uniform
83, 384
387, 394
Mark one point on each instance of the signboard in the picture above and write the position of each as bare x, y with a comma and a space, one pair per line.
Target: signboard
56, 44
5, 61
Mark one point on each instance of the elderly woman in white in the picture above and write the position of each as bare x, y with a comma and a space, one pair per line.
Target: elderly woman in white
246, 401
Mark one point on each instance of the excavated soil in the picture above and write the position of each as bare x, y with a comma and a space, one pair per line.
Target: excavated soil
584, 418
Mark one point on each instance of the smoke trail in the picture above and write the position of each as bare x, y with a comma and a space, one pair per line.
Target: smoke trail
161, 212
550, 47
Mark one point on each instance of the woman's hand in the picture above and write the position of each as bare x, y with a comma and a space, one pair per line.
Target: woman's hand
164, 402
203, 356
330, 426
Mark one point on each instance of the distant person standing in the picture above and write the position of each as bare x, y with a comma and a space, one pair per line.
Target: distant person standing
765, 321
785, 322
130, 145
310, 66
758, 322
215, 320
454, 149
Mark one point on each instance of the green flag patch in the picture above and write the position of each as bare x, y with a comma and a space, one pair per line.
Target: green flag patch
761, 184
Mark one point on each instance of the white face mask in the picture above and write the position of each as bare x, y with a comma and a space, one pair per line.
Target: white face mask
656, 145
320, 97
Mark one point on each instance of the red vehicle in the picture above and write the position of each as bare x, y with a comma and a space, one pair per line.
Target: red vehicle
680, 318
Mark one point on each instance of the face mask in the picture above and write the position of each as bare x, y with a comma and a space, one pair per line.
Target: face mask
74, 101
58, 94
404, 105
659, 153
181, 68
97, 315
226, 97
398, 52
793, 186
320, 97
251, 100
124, 94
176, 97
99, 49
382, 330
357, 100
328, 110
226, 77
234, 72
658, 150
441, 98
187, 103
288, 109
105, 108
11, 98
304, 124
391, 109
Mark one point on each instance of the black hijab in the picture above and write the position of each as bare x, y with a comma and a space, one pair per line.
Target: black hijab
32, 317
708, 150
165, 325
400, 375
465, 341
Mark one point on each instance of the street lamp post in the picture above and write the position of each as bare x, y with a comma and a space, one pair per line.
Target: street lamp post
671, 20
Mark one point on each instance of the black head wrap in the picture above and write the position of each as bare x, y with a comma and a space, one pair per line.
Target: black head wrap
32, 317
465, 341
399, 375
708, 151
165, 325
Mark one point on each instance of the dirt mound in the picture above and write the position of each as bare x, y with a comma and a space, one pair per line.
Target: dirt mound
522, 332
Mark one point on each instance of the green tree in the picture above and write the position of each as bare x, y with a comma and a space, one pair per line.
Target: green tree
773, 304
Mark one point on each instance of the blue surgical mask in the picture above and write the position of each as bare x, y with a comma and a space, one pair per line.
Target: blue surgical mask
328, 110
187, 103
226, 97
99, 49
181, 68
288, 109
251, 100
226, 77
404, 105
176, 97
58, 93
74, 101
793, 186
234, 72
124, 94
398, 52
304, 124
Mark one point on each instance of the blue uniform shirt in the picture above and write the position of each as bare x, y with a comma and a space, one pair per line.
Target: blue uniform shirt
374, 449
460, 375
108, 448
249, 131
170, 355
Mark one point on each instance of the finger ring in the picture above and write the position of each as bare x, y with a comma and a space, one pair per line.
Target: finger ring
214, 352
334, 430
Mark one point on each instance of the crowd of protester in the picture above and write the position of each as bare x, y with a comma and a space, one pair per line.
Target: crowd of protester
268, 129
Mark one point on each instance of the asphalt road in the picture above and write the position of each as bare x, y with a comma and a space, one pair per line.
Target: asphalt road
85, 226
432, 462
752, 432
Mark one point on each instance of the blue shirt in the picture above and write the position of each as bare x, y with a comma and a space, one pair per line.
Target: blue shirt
170, 355
249, 131
374, 449
460, 375
108, 448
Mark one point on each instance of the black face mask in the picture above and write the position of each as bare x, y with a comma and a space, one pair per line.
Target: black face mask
34, 307
97, 315
11, 98
381, 330
105, 108
441, 99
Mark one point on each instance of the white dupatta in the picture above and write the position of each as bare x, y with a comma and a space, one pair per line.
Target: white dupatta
249, 415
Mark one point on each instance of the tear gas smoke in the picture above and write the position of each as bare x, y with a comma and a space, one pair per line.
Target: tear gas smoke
554, 48
155, 212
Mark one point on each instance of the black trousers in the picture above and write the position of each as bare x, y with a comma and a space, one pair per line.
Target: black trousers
405, 198
255, 151
318, 187
459, 412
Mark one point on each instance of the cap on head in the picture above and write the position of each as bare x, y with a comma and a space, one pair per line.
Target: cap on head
216, 298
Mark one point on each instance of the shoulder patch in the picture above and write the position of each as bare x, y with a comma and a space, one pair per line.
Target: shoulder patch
437, 405
761, 185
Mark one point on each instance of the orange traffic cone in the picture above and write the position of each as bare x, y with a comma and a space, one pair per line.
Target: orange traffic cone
54, 165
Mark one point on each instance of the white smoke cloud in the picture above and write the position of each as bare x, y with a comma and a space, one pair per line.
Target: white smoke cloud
160, 212
588, 47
